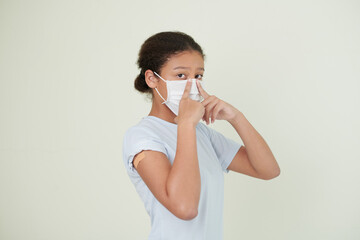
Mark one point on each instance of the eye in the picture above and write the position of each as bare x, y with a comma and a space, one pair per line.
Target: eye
199, 76
181, 75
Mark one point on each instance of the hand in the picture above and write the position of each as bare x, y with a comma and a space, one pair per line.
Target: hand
216, 108
189, 110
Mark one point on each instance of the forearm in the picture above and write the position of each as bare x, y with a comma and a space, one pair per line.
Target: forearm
258, 151
183, 184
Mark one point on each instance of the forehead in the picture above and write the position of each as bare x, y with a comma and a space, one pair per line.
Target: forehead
187, 59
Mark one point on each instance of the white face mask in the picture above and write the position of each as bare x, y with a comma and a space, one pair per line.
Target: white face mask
175, 90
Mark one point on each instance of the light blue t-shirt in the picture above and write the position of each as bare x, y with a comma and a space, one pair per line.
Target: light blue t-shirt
215, 153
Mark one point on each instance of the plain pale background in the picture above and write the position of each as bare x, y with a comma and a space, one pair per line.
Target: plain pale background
67, 97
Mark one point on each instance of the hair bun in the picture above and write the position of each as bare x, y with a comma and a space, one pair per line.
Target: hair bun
141, 85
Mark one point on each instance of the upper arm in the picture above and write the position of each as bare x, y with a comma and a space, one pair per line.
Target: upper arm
154, 169
242, 164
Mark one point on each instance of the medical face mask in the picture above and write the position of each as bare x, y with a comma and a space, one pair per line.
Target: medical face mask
175, 90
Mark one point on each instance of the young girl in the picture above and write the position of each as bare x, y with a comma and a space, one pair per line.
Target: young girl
176, 162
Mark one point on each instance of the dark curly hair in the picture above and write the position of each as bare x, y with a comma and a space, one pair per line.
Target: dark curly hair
156, 50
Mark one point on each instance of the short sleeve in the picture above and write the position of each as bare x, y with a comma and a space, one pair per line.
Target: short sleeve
136, 140
225, 148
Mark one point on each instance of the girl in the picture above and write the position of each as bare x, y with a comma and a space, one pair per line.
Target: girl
176, 162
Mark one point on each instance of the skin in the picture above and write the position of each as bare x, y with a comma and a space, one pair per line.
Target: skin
178, 186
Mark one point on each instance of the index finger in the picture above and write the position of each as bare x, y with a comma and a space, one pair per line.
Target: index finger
187, 89
201, 90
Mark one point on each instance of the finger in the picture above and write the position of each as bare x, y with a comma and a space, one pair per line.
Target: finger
216, 111
187, 89
206, 115
201, 90
203, 117
209, 110
208, 100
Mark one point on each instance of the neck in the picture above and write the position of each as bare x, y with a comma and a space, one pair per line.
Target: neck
161, 111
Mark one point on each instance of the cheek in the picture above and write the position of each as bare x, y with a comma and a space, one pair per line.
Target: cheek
162, 90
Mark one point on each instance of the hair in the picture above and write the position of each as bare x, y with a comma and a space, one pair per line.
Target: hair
157, 50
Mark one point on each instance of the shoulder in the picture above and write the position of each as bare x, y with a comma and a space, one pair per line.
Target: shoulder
148, 129
142, 136
205, 129
202, 127
214, 135
142, 129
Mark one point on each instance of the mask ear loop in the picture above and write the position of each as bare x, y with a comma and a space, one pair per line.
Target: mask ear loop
160, 96
157, 90
159, 76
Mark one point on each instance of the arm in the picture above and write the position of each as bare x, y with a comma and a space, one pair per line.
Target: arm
183, 184
177, 187
255, 158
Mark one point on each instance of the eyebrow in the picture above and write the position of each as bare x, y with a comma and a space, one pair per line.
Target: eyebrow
187, 68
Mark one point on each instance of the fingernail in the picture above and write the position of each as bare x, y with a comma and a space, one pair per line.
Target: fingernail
189, 80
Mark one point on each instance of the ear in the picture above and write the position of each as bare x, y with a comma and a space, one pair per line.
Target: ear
150, 79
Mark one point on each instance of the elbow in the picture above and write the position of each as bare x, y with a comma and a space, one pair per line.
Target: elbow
273, 175
186, 213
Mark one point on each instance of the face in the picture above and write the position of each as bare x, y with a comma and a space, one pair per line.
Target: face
185, 65
182, 66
